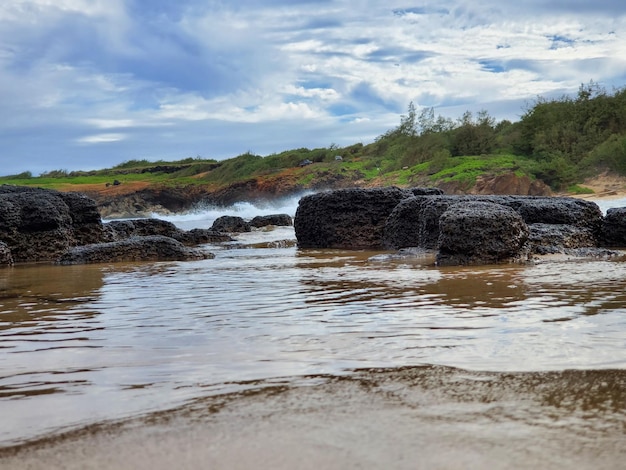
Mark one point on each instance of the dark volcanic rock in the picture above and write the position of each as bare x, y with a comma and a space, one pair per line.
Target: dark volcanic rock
6, 259
415, 221
402, 228
151, 248
122, 229
279, 220
559, 238
230, 224
481, 233
39, 224
613, 232
476, 229
425, 191
345, 218
199, 236
557, 210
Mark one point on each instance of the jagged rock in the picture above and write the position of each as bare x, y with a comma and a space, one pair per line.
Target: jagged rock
123, 229
426, 191
557, 210
150, 248
613, 232
6, 259
279, 220
345, 218
39, 224
230, 224
199, 236
476, 229
481, 233
559, 238
415, 221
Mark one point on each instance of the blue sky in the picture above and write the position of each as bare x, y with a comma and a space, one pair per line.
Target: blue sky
87, 84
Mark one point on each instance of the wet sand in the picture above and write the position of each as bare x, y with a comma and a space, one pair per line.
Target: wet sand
408, 418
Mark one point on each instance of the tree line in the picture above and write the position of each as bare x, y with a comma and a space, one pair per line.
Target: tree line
565, 139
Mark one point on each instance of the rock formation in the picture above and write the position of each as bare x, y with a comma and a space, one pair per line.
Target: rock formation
38, 224
44, 225
465, 229
6, 258
613, 231
231, 224
123, 229
279, 220
147, 248
475, 232
347, 218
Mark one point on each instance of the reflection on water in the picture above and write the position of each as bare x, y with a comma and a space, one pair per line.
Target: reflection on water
84, 344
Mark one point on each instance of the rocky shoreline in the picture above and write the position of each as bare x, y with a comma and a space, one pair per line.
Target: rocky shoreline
462, 229
38, 225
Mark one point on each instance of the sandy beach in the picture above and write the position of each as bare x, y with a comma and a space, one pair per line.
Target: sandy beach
605, 187
407, 418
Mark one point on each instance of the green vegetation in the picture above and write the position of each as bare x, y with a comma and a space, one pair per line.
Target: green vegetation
560, 141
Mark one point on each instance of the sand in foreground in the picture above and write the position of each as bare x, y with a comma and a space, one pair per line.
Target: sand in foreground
424, 417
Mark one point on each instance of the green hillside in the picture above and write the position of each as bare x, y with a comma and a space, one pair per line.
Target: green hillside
559, 141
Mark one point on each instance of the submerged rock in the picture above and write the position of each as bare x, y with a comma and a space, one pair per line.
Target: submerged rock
150, 248
122, 229
199, 236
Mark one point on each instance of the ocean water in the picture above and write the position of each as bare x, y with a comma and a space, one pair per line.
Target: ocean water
81, 345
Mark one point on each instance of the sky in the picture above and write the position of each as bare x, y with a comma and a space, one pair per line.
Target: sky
88, 84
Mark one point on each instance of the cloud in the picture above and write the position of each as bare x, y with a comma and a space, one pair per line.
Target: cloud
101, 138
89, 83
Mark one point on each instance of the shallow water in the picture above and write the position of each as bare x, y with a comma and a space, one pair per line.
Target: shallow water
87, 344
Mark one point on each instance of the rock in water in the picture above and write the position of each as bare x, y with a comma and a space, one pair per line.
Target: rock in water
613, 232
230, 224
39, 224
6, 259
346, 218
150, 248
481, 233
279, 220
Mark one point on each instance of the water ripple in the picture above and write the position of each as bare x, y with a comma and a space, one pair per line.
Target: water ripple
119, 339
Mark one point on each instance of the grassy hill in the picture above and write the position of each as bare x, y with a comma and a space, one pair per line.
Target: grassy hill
560, 142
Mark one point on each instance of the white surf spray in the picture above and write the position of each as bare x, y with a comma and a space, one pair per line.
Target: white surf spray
204, 216
606, 204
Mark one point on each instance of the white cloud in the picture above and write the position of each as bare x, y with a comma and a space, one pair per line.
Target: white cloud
71, 69
101, 138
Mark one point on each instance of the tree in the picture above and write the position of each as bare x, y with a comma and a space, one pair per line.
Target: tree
408, 122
